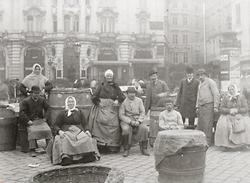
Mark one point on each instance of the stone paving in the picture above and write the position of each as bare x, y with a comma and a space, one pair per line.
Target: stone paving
228, 167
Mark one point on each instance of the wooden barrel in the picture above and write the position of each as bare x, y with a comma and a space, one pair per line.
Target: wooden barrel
8, 129
57, 100
180, 156
154, 124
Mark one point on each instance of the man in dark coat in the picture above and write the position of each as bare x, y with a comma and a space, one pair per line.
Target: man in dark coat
156, 90
32, 114
187, 97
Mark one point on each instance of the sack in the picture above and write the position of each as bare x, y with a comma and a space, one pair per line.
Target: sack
238, 126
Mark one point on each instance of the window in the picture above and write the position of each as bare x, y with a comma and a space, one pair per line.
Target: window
87, 24
185, 57
160, 50
143, 26
143, 4
175, 38
197, 22
185, 39
237, 14
107, 24
38, 23
197, 37
76, 23
30, 23
184, 5
174, 5
83, 73
89, 52
55, 3
58, 73
53, 51
54, 23
66, 23
185, 20
175, 20
175, 58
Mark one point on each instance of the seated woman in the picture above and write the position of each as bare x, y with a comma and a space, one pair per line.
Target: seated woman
233, 126
72, 143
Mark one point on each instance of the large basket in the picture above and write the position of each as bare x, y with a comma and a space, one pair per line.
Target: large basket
79, 173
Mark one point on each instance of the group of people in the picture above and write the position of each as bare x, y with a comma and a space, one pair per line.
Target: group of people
202, 98
117, 119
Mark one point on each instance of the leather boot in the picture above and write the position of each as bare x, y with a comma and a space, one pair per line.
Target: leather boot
125, 145
144, 148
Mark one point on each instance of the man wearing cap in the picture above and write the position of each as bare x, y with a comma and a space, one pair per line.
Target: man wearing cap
132, 115
156, 90
32, 111
187, 97
207, 104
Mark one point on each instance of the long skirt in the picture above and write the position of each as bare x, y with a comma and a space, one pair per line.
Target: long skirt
206, 120
73, 145
226, 137
39, 130
104, 124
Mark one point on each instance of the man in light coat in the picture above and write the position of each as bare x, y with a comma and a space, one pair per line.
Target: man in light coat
207, 104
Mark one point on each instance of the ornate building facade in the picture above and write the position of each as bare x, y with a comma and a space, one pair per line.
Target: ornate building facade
82, 38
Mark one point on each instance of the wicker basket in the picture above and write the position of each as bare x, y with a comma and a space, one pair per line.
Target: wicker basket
79, 174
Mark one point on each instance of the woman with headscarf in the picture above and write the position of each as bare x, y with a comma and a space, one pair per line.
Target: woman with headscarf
233, 126
103, 118
73, 142
35, 79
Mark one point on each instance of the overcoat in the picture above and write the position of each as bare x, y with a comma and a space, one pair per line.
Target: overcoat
187, 97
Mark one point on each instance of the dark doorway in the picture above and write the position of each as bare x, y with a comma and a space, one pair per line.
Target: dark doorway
71, 63
33, 55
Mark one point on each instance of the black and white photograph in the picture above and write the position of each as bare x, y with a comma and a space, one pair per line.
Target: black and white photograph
124, 91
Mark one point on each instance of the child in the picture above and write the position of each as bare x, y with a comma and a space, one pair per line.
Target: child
170, 119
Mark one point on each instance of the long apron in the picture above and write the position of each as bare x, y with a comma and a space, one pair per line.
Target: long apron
104, 123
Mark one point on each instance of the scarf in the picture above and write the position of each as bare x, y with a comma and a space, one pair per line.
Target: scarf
233, 97
67, 109
34, 79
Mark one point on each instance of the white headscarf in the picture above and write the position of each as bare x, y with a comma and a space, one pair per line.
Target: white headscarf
236, 91
68, 110
108, 72
34, 79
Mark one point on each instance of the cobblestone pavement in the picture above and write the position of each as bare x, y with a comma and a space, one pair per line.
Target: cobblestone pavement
228, 167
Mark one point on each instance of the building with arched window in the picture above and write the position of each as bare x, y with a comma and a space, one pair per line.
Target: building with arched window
83, 38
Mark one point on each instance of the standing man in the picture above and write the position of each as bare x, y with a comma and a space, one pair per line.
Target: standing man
207, 104
156, 91
187, 97
132, 115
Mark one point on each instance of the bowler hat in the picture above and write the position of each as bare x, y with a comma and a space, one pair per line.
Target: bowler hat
131, 89
189, 70
35, 89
